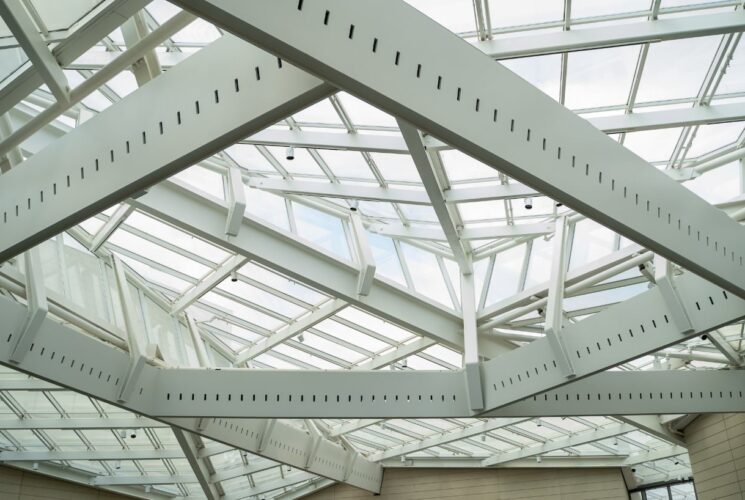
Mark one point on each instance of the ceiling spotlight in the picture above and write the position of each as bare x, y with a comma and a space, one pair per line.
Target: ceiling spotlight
538, 459
122, 433
301, 338
290, 153
35, 466
677, 462
559, 204
118, 464
538, 422
615, 441
403, 459
233, 276
404, 363
528, 202
133, 433
483, 438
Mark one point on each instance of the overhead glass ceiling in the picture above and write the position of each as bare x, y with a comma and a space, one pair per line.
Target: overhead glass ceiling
407, 241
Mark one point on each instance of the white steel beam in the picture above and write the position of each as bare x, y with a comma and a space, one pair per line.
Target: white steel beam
141, 480
117, 218
323, 312
630, 329
554, 311
533, 139
479, 233
76, 476
22, 26
198, 465
364, 141
105, 18
471, 359
102, 454
426, 169
36, 296
364, 254
445, 438
673, 28
80, 172
733, 357
207, 283
651, 425
75, 423
282, 252
577, 439
217, 393
236, 201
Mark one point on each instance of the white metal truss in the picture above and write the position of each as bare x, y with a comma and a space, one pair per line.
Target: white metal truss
480, 381
536, 140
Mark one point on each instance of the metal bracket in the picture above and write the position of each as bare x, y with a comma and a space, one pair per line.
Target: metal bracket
236, 201
663, 271
554, 314
364, 253
36, 300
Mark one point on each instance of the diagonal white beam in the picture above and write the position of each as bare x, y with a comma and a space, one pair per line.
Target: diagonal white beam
651, 425
75, 423
80, 174
141, 480
613, 36
117, 218
22, 26
323, 312
393, 195
284, 253
733, 357
102, 454
198, 465
426, 170
651, 456
533, 139
445, 438
577, 439
207, 283
363, 141
479, 233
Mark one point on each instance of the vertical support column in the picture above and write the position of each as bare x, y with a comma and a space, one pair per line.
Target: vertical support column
663, 276
470, 342
136, 346
36, 300
716, 447
364, 253
236, 201
198, 341
554, 313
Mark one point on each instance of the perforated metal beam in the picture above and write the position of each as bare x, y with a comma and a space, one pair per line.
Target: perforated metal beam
84, 364
446, 87
628, 330
217, 393
89, 169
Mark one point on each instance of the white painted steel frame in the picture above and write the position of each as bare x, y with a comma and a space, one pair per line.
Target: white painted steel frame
88, 170
377, 56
